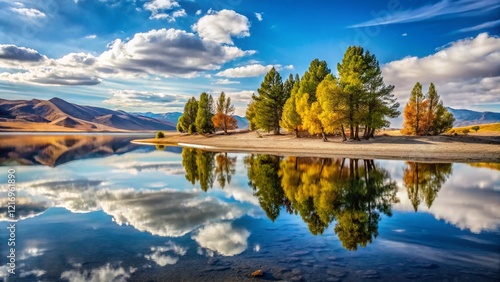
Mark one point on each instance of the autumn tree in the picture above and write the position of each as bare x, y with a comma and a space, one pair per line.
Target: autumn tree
250, 114
414, 112
425, 114
205, 114
290, 120
269, 103
186, 122
223, 118
306, 99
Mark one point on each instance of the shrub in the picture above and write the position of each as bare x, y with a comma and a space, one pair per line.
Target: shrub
465, 130
160, 134
475, 128
452, 131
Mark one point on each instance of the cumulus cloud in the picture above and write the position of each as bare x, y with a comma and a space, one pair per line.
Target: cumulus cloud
157, 52
104, 273
221, 26
479, 210
226, 81
465, 72
156, 6
439, 9
169, 53
168, 254
198, 12
12, 56
245, 71
145, 99
166, 212
259, 16
223, 239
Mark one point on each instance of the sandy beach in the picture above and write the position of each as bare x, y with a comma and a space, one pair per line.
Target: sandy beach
444, 148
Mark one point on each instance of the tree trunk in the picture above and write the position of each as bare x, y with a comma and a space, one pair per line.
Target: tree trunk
324, 136
365, 132
372, 133
351, 134
296, 132
344, 138
356, 135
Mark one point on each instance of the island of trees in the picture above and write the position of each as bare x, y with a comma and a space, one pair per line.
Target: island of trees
353, 104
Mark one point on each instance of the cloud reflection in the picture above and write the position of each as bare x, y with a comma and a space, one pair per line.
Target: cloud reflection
104, 273
223, 239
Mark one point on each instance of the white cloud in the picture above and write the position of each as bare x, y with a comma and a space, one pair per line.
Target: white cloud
165, 213
259, 16
465, 72
169, 53
221, 26
478, 199
144, 99
198, 12
404, 34
226, 81
246, 71
161, 52
170, 17
289, 67
481, 26
30, 13
91, 36
223, 239
439, 9
105, 273
164, 255
156, 6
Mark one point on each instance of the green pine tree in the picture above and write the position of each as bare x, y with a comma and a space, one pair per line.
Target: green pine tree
203, 122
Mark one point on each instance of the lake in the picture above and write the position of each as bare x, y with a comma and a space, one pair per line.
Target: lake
98, 208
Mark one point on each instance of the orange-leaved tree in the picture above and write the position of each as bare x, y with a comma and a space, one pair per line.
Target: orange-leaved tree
223, 118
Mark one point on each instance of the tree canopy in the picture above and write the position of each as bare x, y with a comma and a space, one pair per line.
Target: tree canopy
425, 114
223, 118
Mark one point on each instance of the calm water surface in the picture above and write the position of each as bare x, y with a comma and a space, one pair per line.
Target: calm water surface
98, 208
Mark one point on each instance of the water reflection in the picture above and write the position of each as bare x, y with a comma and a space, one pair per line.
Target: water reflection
153, 212
424, 180
350, 192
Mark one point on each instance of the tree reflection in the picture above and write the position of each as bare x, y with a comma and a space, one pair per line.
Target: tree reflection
351, 192
199, 166
424, 180
264, 179
203, 167
225, 169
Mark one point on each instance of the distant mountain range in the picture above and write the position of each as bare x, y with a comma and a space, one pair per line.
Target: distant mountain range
58, 115
465, 117
174, 116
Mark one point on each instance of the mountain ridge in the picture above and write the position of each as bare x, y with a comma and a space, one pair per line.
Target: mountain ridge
57, 114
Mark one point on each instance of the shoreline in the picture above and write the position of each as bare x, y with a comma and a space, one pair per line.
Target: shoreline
442, 148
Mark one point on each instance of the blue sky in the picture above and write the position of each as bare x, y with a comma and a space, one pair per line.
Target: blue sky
152, 55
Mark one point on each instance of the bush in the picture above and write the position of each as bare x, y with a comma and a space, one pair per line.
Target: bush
159, 135
475, 128
465, 130
452, 131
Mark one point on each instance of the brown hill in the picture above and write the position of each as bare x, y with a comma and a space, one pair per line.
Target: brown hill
57, 114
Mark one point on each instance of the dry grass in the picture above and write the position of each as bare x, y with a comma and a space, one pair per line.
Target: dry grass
483, 128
